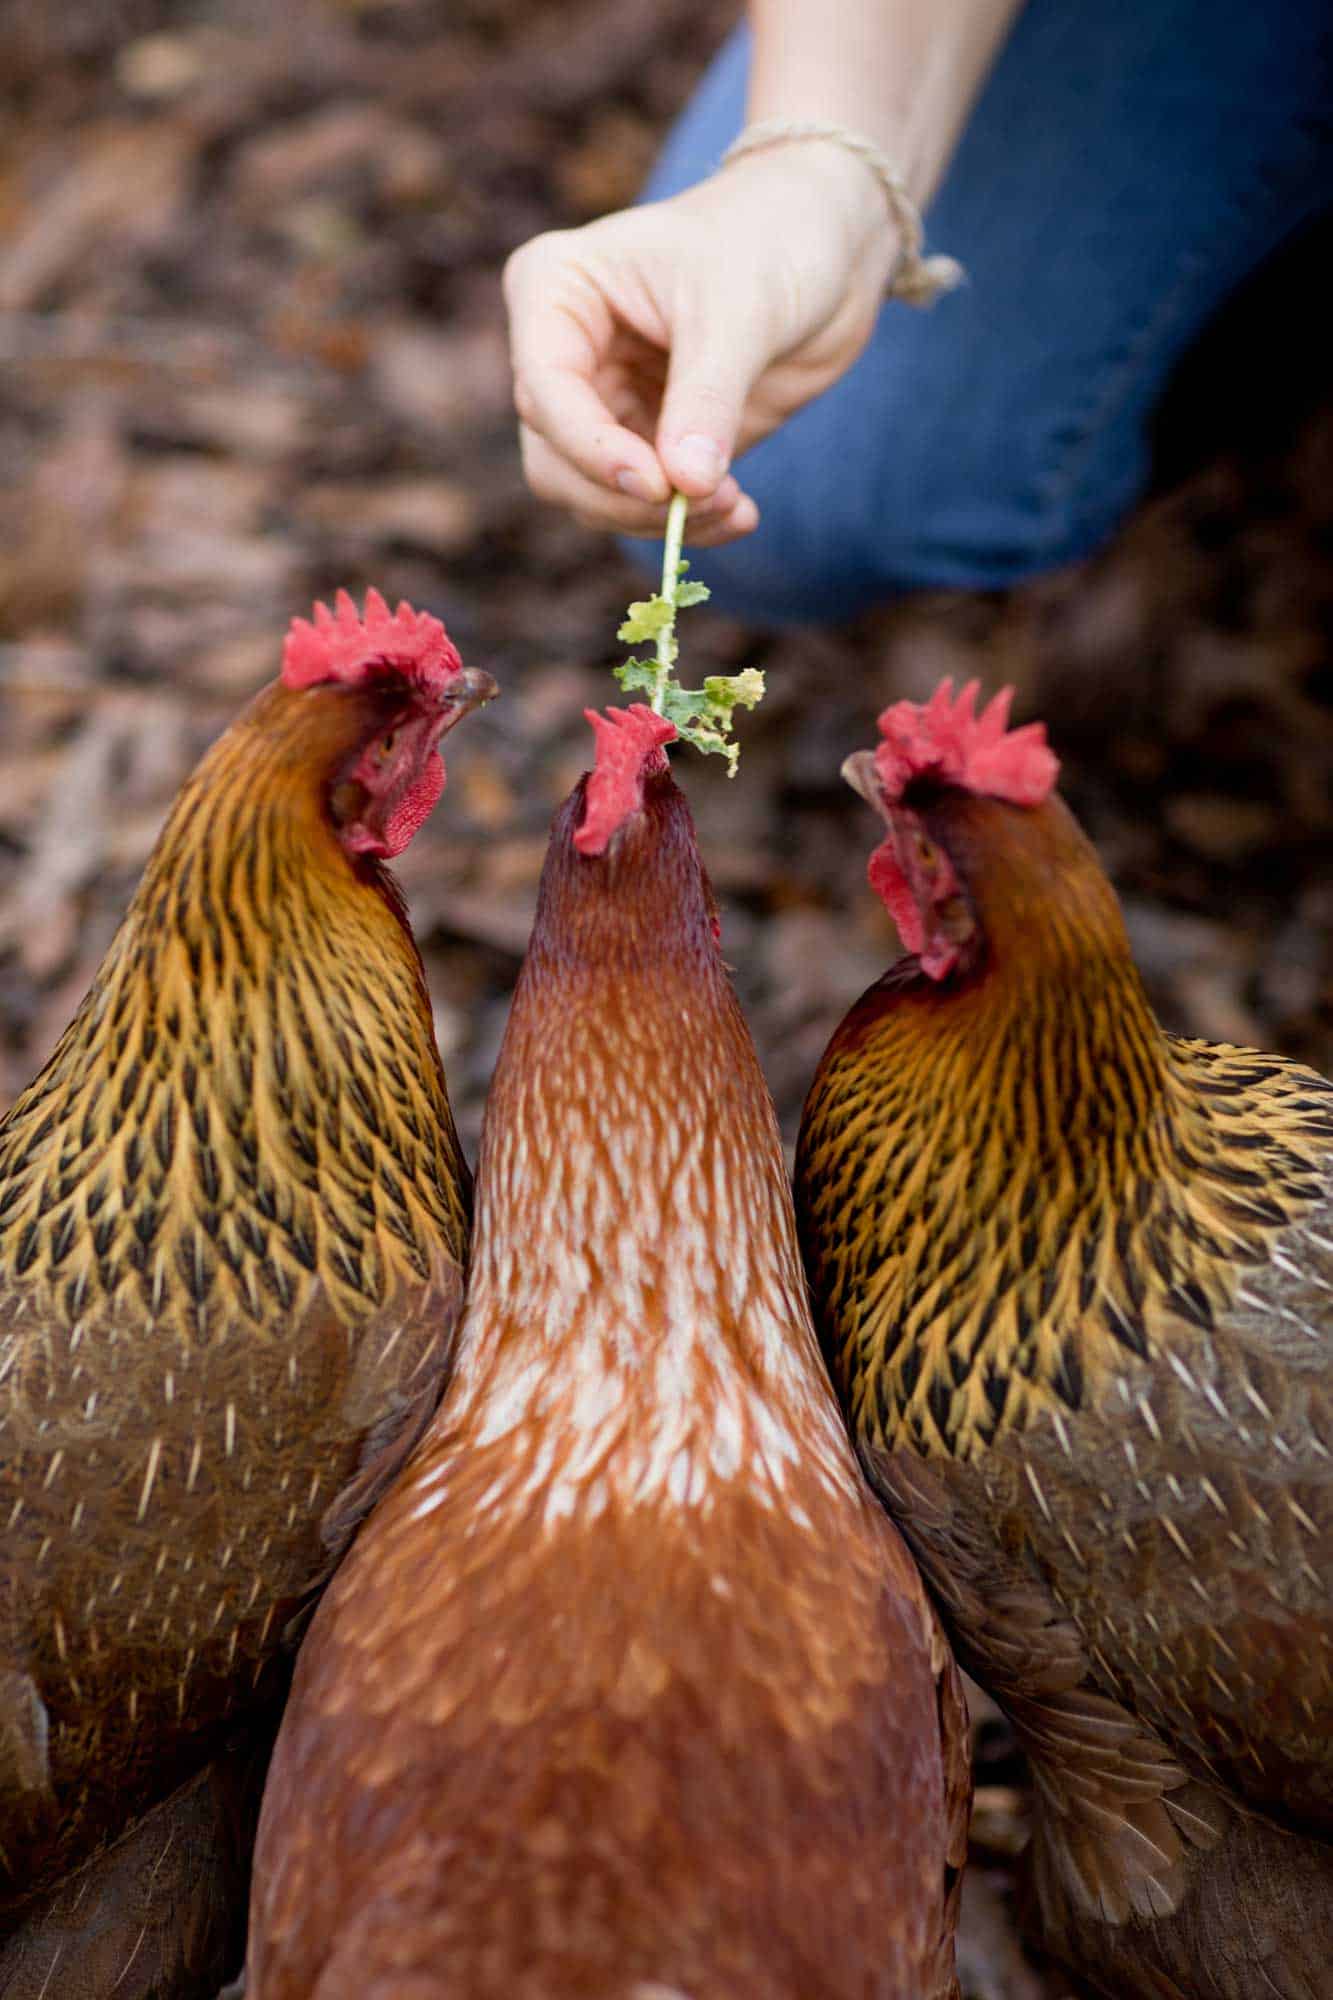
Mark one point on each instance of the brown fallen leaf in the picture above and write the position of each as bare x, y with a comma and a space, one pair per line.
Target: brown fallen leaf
120, 190
439, 515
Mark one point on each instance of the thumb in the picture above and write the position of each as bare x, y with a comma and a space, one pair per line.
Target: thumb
706, 389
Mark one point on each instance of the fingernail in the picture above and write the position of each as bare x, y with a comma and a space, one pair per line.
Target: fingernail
700, 457
636, 485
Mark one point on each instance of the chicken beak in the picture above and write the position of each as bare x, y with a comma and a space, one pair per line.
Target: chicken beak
859, 772
472, 688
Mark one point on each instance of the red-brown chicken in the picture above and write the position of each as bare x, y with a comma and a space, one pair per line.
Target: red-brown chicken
1074, 1277
233, 1221
628, 1687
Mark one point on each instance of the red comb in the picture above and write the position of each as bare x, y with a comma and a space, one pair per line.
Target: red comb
943, 738
629, 742
341, 646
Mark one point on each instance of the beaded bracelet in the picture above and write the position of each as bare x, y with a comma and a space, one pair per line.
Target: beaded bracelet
915, 279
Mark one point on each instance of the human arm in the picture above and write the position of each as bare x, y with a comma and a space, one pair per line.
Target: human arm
713, 316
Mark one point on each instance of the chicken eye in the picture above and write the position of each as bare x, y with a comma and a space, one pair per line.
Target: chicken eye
925, 851
387, 743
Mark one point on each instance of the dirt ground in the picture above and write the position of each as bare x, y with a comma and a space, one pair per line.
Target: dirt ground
252, 349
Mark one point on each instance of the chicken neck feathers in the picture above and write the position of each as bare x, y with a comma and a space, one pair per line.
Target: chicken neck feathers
626, 1679
1006, 1197
233, 1217
1074, 1278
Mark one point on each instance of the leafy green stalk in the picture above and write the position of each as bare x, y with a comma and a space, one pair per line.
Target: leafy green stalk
703, 716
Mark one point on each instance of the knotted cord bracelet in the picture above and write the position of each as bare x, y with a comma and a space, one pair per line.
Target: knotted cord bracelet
917, 280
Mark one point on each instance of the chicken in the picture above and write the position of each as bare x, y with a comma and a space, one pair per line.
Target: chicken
159, 1914
628, 1687
233, 1223
1074, 1278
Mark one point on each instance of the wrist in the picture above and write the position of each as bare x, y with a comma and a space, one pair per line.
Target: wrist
916, 279
821, 178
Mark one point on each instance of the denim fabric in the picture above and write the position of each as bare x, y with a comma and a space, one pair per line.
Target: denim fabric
1127, 165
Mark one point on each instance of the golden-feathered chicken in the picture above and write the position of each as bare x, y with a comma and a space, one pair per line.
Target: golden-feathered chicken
233, 1222
1074, 1277
628, 1687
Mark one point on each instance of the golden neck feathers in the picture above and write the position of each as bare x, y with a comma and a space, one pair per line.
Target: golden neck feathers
1016, 1177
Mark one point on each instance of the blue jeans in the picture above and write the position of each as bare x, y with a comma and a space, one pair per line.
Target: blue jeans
1128, 163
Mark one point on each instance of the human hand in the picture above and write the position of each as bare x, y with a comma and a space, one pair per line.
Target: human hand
653, 346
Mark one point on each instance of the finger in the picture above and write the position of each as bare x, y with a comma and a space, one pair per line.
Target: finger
740, 519
553, 478
560, 331
708, 381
